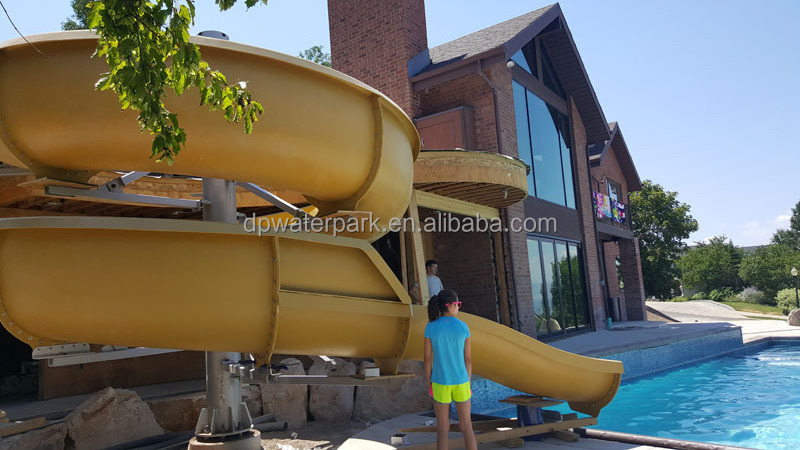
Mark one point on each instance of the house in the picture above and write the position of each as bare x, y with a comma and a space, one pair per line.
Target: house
516, 90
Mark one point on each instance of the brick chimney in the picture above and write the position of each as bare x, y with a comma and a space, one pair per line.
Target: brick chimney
374, 40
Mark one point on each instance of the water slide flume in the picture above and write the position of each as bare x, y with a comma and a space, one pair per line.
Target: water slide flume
209, 286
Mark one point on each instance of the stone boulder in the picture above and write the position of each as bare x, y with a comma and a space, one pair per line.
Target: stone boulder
47, 438
794, 318
331, 403
111, 417
178, 413
181, 413
288, 402
251, 396
399, 397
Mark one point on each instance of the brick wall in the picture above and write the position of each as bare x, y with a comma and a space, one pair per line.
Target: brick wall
471, 91
466, 265
609, 168
374, 40
584, 202
631, 268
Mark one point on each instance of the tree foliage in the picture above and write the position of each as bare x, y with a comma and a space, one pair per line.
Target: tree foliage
712, 266
317, 55
79, 18
146, 45
769, 268
661, 223
791, 236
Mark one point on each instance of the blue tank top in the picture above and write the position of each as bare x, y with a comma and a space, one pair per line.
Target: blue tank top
447, 335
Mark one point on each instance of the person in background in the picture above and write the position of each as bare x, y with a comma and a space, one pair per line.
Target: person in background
448, 366
434, 283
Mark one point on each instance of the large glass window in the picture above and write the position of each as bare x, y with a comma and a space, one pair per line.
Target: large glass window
544, 143
526, 58
559, 299
537, 285
523, 133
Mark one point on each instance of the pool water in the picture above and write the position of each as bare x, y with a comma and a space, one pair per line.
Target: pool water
749, 400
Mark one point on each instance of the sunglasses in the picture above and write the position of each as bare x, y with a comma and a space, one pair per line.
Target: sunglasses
458, 303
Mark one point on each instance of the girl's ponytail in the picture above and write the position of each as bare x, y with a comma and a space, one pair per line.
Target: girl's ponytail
434, 310
438, 303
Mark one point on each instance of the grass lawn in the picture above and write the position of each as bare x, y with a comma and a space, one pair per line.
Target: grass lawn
754, 307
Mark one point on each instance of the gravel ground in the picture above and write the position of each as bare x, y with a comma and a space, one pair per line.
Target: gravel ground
313, 435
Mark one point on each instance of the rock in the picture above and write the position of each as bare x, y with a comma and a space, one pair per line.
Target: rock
331, 403
794, 318
111, 417
178, 413
181, 413
399, 397
47, 438
288, 402
251, 396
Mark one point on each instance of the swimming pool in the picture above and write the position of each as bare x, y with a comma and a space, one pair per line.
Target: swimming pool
748, 399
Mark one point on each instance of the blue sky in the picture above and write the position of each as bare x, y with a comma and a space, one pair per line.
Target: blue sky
705, 91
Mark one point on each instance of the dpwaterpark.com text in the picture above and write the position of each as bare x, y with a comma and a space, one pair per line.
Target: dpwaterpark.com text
440, 223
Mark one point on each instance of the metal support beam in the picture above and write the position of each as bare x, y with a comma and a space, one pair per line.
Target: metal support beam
282, 204
120, 182
121, 197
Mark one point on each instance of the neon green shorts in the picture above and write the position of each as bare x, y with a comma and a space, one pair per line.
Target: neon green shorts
446, 393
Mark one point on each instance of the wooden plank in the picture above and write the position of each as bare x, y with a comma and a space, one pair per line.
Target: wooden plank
42, 182
500, 267
12, 428
512, 443
403, 260
479, 425
566, 436
495, 436
418, 252
452, 205
398, 376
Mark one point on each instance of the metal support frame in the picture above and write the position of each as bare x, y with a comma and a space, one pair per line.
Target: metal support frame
225, 419
120, 182
247, 371
282, 204
116, 196
80, 353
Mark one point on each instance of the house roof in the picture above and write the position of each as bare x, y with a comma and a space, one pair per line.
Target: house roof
616, 144
483, 40
499, 42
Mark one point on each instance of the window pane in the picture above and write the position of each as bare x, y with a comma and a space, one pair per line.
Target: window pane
548, 172
523, 133
566, 160
549, 76
526, 58
537, 285
519, 58
581, 301
550, 271
567, 303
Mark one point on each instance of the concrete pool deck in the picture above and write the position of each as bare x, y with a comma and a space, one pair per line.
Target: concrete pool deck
754, 326
379, 435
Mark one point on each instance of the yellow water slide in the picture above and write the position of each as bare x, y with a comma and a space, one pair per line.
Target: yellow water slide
216, 287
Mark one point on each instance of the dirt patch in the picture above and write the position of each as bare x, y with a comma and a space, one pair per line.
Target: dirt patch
313, 435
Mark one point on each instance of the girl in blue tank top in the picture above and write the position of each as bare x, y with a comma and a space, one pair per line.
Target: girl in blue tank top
448, 366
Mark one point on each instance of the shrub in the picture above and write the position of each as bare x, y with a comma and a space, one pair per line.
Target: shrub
753, 295
679, 299
787, 300
699, 296
719, 295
